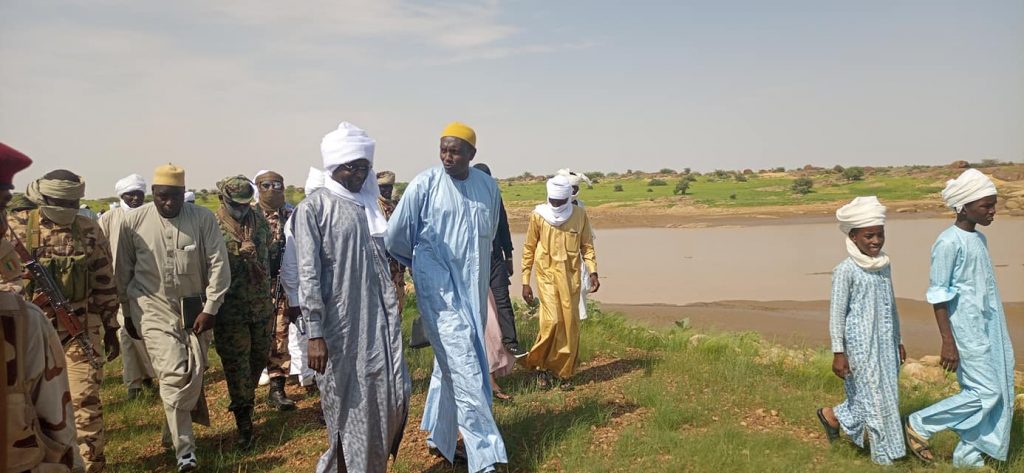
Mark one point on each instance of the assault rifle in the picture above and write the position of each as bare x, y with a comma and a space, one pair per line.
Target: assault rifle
51, 296
279, 295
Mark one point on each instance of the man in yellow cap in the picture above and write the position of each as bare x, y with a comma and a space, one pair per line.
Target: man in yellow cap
442, 229
173, 270
77, 255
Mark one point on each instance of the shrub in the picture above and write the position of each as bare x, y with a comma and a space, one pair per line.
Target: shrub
741, 178
779, 169
666, 171
617, 188
853, 173
611, 174
594, 175
732, 196
682, 186
838, 169
650, 190
802, 185
686, 170
656, 182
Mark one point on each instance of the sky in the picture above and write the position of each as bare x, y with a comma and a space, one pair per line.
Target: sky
106, 88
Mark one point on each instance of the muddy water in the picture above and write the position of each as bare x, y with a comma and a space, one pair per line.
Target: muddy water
774, 262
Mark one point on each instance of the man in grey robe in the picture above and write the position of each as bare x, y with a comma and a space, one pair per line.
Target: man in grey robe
170, 257
346, 294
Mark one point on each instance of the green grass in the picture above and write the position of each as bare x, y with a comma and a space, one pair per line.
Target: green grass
756, 191
645, 401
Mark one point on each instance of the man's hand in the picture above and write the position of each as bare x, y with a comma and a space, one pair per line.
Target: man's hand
903, 354
111, 344
317, 354
595, 283
203, 323
528, 294
949, 356
292, 313
840, 365
510, 267
129, 327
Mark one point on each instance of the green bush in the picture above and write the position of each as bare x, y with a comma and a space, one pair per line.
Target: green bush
741, 178
666, 171
650, 190
656, 182
617, 188
682, 186
853, 173
802, 185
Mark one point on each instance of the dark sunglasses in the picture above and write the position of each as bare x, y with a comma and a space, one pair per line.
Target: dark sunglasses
353, 168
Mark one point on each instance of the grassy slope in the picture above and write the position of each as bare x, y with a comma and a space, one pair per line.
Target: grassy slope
757, 191
646, 401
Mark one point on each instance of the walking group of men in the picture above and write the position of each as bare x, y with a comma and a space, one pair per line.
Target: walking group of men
868, 348
281, 290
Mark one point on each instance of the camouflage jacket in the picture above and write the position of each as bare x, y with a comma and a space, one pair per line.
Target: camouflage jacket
387, 207
40, 426
85, 240
248, 255
276, 219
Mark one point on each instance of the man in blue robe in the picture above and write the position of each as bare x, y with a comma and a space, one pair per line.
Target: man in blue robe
975, 342
442, 229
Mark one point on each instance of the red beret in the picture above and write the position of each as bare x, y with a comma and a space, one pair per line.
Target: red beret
11, 161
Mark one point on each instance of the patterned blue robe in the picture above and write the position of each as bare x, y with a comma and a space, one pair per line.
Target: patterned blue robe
865, 326
442, 230
962, 276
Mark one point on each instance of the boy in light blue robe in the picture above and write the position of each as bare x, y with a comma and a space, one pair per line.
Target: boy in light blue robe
865, 330
442, 229
975, 342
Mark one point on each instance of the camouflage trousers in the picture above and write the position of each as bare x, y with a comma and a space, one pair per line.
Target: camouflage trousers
280, 360
243, 346
84, 381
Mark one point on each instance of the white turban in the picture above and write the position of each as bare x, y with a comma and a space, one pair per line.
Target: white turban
344, 145
972, 185
859, 213
314, 180
190, 196
559, 188
575, 178
131, 183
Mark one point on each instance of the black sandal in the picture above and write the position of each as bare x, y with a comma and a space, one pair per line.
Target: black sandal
831, 432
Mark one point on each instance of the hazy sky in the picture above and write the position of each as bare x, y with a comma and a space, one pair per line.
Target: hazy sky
106, 88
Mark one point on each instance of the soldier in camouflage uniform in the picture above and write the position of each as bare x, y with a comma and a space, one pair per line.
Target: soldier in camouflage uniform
242, 328
272, 205
78, 257
38, 434
386, 183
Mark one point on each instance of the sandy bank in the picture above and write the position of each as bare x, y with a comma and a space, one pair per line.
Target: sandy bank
804, 322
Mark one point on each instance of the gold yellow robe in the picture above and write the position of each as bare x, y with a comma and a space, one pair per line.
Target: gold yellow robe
555, 254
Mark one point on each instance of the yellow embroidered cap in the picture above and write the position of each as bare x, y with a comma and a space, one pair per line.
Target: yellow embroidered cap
169, 175
460, 130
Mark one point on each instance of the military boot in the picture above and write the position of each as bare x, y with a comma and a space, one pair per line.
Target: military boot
243, 420
277, 398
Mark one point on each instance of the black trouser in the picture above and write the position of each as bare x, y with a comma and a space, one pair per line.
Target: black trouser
499, 286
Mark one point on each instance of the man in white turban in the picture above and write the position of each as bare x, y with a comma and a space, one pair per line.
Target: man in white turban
558, 242
349, 301
975, 341
865, 331
575, 179
138, 369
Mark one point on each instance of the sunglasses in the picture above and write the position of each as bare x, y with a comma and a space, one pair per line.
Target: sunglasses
276, 185
353, 168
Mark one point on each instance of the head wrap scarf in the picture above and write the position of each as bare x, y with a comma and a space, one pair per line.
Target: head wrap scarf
128, 184
272, 199
56, 189
347, 144
190, 196
970, 186
558, 188
862, 212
